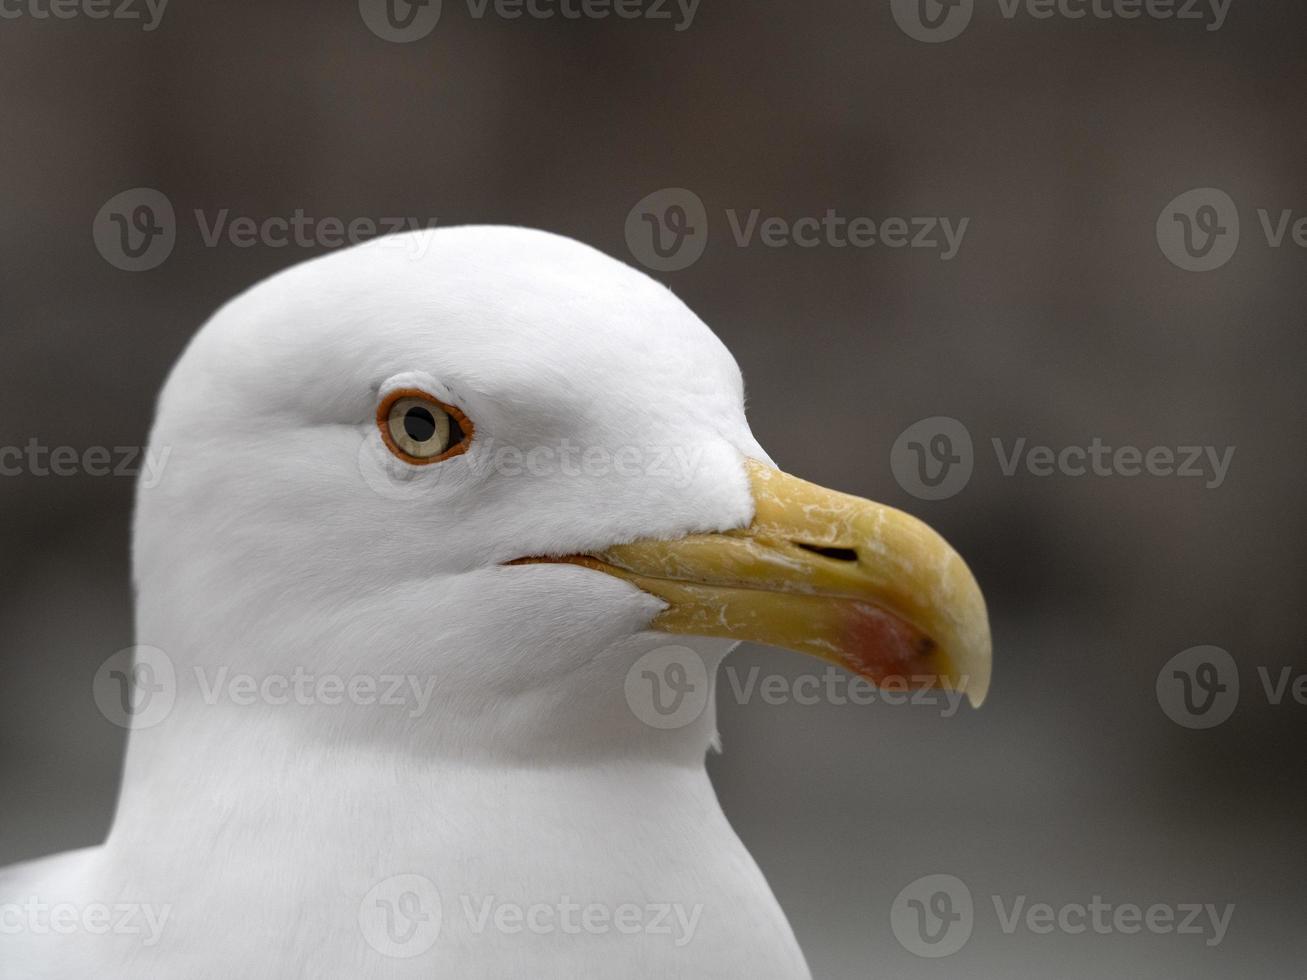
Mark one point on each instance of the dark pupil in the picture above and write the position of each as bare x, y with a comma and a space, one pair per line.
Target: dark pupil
419, 424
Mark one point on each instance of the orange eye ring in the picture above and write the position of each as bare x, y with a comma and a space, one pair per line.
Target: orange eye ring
420, 429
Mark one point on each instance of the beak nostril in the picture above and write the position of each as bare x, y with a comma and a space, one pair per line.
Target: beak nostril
837, 554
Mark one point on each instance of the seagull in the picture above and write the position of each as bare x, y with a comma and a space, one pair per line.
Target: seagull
455, 529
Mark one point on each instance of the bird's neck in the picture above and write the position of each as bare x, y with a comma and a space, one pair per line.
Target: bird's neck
273, 727
269, 829
255, 789
262, 816
255, 758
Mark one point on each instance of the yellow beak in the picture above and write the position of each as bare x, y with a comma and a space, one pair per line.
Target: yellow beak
858, 584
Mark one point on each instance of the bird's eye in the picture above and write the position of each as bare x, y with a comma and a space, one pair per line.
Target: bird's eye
420, 429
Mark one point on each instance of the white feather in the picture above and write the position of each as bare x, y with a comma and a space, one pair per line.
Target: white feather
275, 541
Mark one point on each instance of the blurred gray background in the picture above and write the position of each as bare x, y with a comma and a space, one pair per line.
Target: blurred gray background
1059, 320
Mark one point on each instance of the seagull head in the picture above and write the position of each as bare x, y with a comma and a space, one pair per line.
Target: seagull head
504, 461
